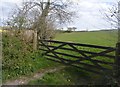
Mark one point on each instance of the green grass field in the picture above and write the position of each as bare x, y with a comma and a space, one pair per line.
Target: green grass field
73, 76
105, 38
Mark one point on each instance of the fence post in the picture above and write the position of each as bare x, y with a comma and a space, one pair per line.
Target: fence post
0, 59
117, 58
34, 40
117, 64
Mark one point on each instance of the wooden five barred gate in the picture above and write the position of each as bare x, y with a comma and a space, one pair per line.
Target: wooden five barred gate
93, 58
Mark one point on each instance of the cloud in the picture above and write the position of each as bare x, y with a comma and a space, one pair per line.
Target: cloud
88, 12
90, 16
11, 1
6, 6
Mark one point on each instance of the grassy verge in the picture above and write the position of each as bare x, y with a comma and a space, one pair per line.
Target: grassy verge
27, 68
71, 76
19, 59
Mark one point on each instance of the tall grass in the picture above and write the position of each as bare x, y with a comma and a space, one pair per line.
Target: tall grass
20, 59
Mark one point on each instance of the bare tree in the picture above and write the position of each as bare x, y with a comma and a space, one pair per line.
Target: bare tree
48, 12
114, 18
41, 16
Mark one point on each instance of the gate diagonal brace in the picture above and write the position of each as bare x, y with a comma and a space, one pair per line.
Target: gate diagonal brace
52, 51
102, 53
85, 56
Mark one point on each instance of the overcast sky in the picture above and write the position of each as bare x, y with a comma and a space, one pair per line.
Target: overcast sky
89, 16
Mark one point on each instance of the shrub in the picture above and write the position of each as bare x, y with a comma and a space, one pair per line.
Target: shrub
17, 56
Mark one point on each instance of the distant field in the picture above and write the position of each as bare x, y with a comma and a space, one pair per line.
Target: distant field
105, 38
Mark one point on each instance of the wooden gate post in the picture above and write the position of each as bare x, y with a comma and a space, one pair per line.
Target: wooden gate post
35, 40
0, 59
117, 58
117, 64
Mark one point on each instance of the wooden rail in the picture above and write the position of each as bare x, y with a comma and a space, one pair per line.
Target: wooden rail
93, 58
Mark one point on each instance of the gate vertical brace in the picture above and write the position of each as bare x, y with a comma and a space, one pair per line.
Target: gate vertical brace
117, 58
